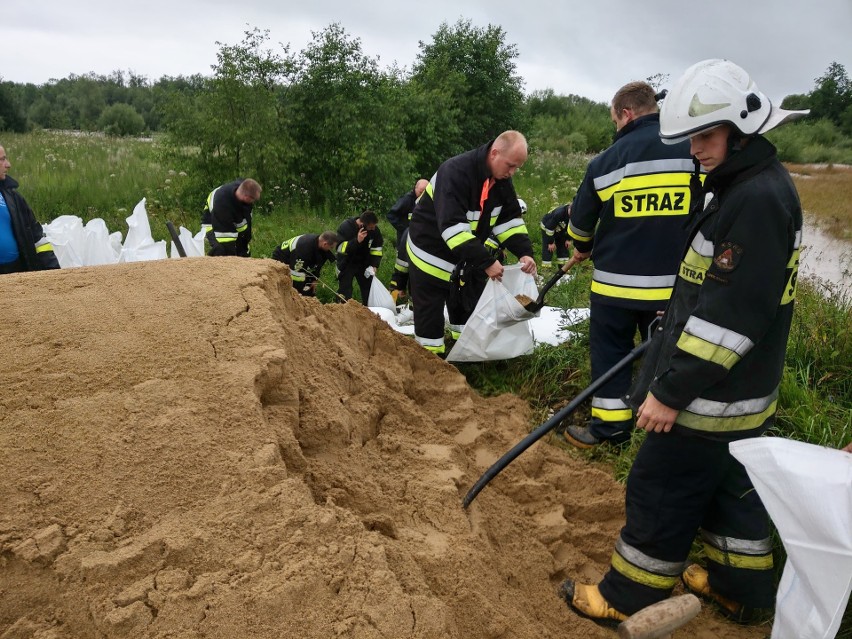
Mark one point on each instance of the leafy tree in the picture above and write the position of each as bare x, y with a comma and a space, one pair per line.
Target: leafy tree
832, 95
568, 123
121, 120
236, 118
475, 69
796, 102
347, 121
658, 80
49, 114
12, 116
431, 127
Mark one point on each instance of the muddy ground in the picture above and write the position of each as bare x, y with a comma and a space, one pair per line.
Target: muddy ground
188, 449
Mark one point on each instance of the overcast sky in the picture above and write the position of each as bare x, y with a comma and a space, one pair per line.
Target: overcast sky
588, 48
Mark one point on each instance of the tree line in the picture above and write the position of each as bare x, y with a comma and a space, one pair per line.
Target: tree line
329, 126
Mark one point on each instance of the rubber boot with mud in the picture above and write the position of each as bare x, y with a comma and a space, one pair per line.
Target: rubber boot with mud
588, 601
697, 580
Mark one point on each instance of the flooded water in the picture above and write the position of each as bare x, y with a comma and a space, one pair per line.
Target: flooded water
826, 259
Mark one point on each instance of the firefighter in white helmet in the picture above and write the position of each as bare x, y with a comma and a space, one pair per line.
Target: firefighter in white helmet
712, 372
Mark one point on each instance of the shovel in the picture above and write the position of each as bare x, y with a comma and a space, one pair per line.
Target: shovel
175, 238
538, 304
554, 421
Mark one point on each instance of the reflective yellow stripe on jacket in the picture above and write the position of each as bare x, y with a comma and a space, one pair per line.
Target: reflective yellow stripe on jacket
434, 266
635, 287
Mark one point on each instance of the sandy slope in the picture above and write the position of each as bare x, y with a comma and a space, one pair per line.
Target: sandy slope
188, 449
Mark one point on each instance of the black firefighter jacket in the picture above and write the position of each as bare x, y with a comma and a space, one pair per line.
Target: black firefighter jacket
304, 257
355, 254
449, 226
35, 251
226, 219
556, 221
632, 206
719, 356
400, 212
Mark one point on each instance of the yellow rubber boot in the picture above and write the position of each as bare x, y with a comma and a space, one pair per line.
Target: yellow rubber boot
587, 600
697, 580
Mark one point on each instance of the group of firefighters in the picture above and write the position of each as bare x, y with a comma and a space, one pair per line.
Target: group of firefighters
688, 215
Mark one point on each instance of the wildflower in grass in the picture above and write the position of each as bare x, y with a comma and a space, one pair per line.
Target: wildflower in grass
182, 174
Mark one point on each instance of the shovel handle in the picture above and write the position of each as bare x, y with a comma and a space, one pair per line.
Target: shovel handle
556, 277
551, 423
175, 238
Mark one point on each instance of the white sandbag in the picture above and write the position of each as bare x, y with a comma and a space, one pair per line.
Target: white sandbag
404, 315
386, 314
807, 491
77, 245
139, 245
193, 245
392, 320
498, 327
552, 325
379, 296
100, 247
67, 236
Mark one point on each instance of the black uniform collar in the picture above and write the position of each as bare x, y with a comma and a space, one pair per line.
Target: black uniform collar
482, 161
750, 160
643, 120
8, 183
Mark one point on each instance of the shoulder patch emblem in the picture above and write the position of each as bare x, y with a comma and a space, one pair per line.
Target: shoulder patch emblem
727, 256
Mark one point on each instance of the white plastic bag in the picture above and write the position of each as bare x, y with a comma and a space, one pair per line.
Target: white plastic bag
76, 245
100, 247
498, 327
379, 296
807, 491
67, 236
139, 245
193, 245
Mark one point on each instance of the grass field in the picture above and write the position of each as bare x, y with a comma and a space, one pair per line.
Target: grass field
826, 193
93, 176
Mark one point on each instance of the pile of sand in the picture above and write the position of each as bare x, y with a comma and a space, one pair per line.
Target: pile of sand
189, 449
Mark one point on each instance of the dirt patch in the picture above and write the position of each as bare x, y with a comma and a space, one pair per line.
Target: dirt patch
189, 449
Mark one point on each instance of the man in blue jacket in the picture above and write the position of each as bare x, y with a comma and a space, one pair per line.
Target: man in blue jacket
23, 246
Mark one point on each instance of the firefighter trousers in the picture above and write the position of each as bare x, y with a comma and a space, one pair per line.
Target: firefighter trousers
678, 484
561, 252
344, 281
429, 296
612, 331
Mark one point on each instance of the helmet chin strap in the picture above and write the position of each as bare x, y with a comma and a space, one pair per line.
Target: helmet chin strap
696, 192
734, 142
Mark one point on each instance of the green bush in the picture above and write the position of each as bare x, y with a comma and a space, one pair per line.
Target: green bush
121, 120
817, 141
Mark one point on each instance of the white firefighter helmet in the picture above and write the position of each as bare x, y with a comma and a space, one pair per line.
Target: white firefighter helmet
715, 92
523, 206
